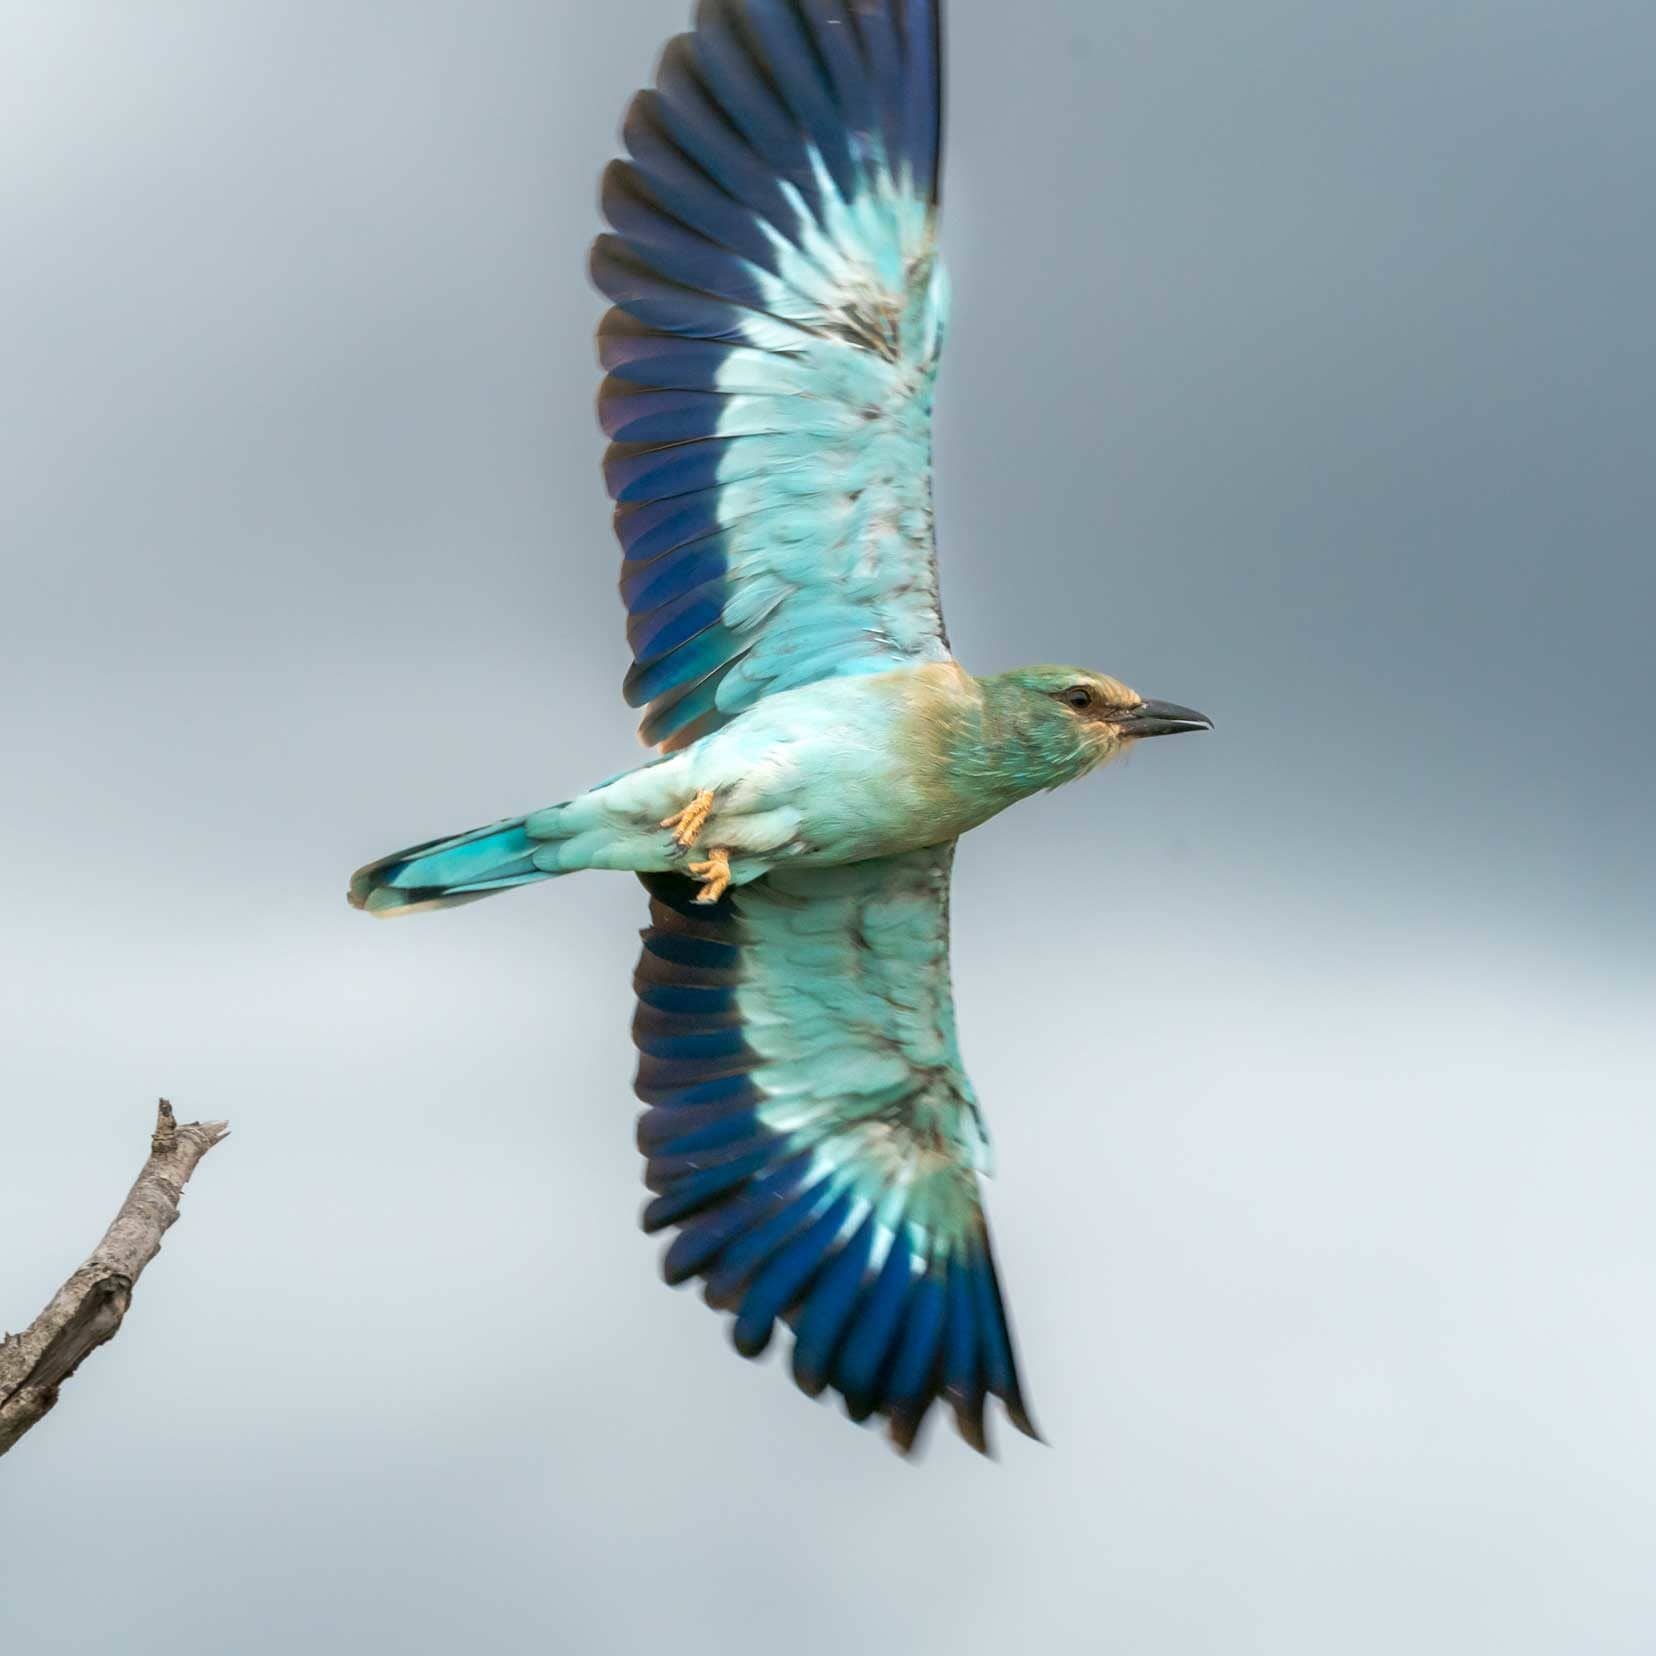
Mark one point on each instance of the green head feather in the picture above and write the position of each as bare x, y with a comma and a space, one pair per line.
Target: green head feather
1019, 733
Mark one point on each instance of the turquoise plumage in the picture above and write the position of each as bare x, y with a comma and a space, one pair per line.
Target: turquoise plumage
779, 316
779, 313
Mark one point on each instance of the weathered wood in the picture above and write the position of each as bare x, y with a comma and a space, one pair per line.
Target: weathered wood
89, 1308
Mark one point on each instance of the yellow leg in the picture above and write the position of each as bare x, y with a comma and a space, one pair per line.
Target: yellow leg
714, 875
688, 823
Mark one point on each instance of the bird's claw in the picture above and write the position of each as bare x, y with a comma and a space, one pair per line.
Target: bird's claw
688, 823
714, 875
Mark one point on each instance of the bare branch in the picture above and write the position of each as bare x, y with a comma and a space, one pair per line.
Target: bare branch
88, 1309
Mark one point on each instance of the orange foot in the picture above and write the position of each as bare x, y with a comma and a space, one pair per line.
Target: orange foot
688, 823
714, 875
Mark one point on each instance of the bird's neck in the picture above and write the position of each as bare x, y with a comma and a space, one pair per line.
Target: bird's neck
996, 742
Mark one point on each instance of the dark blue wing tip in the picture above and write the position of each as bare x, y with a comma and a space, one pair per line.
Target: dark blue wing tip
724, 155
768, 1236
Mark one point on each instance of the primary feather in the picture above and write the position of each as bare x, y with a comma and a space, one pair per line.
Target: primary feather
779, 315
813, 1135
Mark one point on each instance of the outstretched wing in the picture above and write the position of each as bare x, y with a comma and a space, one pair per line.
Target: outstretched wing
779, 312
813, 1136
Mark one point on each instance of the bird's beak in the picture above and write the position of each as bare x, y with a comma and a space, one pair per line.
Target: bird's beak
1159, 718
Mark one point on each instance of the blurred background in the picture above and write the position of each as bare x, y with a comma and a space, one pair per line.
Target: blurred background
1301, 371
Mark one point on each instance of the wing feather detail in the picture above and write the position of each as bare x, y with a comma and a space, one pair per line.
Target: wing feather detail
779, 308
812, 1136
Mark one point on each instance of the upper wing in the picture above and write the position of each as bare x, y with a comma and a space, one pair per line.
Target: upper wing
812, 1133
779, 311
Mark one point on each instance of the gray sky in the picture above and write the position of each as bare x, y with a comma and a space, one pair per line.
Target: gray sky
1301, 371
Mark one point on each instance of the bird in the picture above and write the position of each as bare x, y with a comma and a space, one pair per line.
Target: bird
778, 304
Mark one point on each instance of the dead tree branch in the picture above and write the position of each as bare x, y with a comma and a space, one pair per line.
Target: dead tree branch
87, 1310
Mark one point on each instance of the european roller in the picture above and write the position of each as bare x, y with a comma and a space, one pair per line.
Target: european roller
779, 308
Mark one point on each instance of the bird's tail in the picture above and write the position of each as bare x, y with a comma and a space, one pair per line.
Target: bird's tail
615, 825
443, 873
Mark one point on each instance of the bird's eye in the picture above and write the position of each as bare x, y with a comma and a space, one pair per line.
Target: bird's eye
1078, 696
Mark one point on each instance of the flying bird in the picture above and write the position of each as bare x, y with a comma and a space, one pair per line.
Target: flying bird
779, 306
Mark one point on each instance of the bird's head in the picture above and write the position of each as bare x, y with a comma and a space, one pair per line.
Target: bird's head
1099, 714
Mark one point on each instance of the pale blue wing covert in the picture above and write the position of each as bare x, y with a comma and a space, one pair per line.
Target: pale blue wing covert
813, 1135
779, 314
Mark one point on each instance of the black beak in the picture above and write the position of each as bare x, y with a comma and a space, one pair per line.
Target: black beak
1158, 718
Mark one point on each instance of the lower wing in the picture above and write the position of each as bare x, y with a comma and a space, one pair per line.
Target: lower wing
813, 1137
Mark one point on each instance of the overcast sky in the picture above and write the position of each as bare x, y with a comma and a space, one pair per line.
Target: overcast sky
1301, 371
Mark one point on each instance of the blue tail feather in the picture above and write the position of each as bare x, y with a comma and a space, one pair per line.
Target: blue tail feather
444, 873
